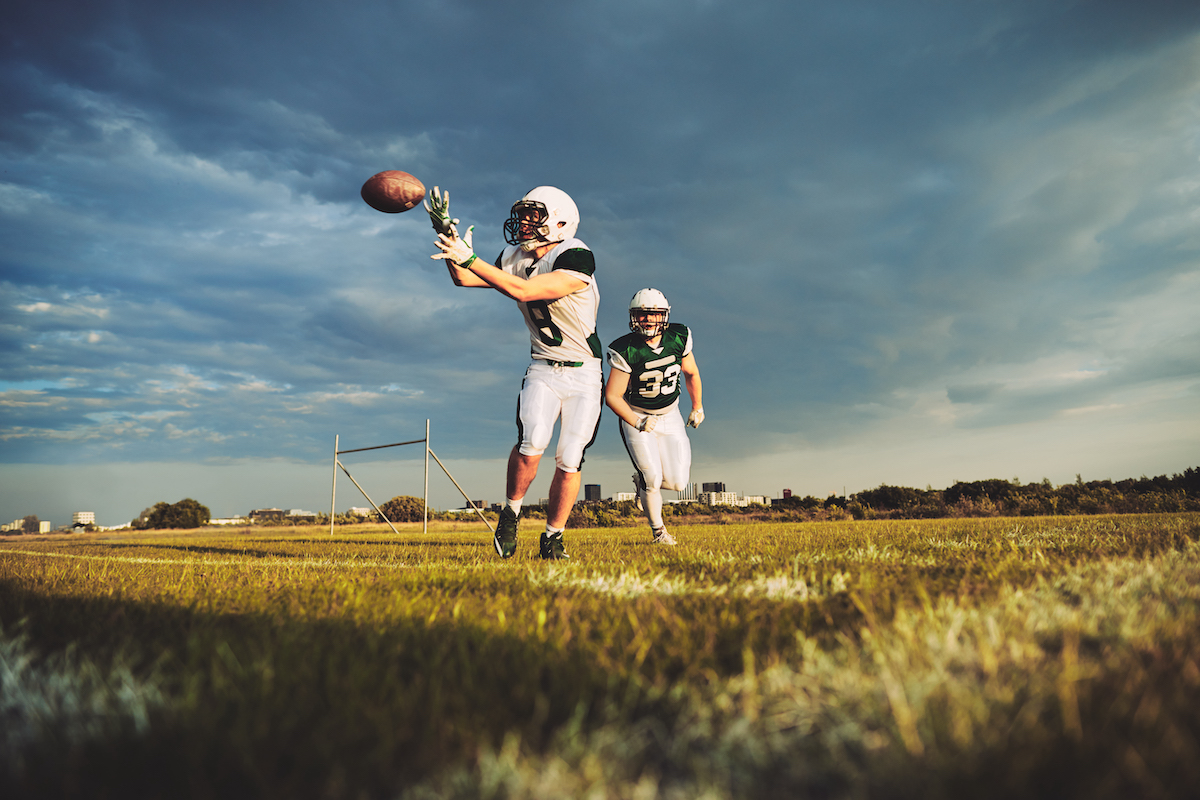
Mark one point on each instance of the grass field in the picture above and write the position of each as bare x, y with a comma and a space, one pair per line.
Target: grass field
1032, 657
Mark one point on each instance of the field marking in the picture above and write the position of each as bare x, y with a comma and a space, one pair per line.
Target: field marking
779, 586
250, 561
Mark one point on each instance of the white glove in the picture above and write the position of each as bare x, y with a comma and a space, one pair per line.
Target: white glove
647, 423
457, 251
437, 205
695, 418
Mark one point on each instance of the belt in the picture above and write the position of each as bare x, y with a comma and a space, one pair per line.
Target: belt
561, 363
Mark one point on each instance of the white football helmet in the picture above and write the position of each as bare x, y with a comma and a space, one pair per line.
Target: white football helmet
649, 312
541, 210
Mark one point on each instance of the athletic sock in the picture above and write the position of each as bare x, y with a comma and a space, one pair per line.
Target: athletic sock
553, 531
652, 502
515, 505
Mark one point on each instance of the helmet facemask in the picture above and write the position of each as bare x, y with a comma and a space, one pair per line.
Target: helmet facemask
648, 322
526, 224
649, 312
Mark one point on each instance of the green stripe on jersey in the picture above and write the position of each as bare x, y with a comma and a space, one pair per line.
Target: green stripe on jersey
578, 259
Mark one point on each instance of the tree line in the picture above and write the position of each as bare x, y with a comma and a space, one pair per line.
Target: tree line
997, 497
994, 497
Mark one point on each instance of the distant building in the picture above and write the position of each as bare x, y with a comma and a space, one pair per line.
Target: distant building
713, 487
730, 499
266, 514
360, 511
787, 493
300, 514
227, 521
591, 492
83, 518
623, 496
480, 504
718, 498
44, 526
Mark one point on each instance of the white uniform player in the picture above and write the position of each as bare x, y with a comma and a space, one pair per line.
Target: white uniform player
643, 390
551, 275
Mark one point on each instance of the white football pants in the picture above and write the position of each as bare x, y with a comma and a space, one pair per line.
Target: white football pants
548, 393
663, 458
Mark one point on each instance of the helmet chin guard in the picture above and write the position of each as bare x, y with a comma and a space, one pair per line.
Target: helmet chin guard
649, 313
547, 214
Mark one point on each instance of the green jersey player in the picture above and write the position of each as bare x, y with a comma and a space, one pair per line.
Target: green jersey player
643, 390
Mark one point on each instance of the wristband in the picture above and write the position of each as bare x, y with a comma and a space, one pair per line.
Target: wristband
467, 264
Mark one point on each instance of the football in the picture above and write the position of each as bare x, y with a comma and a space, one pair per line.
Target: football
392, 191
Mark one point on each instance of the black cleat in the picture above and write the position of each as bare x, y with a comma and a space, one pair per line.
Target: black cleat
506, 533
551, 546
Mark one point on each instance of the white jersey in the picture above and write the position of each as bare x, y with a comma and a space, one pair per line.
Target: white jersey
561, 330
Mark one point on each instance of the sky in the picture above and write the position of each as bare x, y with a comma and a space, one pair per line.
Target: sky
917, 242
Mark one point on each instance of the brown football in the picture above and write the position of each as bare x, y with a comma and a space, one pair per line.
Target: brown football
392, 191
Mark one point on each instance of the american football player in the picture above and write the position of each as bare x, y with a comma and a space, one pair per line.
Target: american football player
643, 390
551, 275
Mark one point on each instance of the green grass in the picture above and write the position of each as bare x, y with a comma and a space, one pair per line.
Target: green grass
1046, 657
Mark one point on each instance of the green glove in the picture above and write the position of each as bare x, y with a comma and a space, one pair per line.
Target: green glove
438, 207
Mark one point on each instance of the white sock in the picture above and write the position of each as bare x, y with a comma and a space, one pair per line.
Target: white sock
553, 531
515, 505
652, 502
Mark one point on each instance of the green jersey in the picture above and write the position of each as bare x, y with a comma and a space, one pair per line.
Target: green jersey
653, 371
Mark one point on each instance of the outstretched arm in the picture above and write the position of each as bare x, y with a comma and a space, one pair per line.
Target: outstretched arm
550, 286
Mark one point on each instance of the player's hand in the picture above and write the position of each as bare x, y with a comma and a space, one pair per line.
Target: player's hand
647, 423
437, 205
695, 418
454, 249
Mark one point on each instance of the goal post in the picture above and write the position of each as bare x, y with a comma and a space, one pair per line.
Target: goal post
337, 464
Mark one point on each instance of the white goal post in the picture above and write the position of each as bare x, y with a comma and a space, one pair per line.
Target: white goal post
425, 499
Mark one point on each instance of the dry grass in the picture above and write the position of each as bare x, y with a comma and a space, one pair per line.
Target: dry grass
996, 657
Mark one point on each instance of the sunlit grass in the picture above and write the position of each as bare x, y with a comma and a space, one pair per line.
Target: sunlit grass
942, 657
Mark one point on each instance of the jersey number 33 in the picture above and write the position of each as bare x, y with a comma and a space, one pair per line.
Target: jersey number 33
659, 378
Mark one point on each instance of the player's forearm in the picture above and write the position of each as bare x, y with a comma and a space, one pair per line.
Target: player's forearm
625, 411
614, 397
551, 286
695, 389
503, 282
464, 277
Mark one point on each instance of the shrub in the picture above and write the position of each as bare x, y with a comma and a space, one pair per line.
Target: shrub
187, 513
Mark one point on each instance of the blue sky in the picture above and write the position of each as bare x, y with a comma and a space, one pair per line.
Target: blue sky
917, 242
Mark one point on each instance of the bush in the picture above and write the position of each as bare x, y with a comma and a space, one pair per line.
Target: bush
187, 513
404, 508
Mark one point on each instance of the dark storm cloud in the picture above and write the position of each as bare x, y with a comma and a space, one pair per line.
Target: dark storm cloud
977, 214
